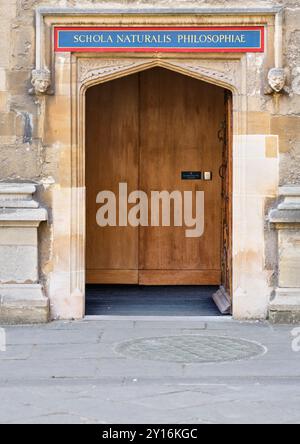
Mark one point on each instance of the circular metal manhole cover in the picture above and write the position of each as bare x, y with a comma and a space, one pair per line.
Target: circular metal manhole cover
190, 349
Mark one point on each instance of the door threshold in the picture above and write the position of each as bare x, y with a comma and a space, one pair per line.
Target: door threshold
158, 318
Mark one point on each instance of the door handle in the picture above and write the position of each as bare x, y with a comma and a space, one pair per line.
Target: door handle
222, 171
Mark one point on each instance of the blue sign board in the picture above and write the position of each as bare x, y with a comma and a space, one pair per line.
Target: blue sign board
177, 39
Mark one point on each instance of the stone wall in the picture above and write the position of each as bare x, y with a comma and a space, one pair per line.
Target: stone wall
25, 155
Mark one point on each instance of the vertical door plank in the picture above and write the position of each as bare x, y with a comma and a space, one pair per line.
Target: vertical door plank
180, 119
112, 135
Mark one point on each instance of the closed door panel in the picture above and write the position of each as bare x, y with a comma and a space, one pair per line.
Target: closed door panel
179, 122
112, 135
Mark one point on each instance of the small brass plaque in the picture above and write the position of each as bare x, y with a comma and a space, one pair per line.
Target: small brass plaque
191, 175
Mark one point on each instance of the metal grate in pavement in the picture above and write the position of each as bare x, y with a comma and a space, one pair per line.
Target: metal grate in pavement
190, 349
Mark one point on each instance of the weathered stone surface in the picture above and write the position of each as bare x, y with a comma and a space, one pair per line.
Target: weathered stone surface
285, 307
284, 317
21, 296
288, 130
38, 143
69, 372
23, 304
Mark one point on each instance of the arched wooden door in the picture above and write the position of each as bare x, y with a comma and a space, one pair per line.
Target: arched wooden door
145, 130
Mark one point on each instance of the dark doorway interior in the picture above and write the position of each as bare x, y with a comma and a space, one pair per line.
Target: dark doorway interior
134, 300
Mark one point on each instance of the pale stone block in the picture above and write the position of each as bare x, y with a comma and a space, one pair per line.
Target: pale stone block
65, 165
249, 146
287, 128
18, 264
58, 128
251, 186
291, 196
21, 297
250, 279
286, 298
3, 101
63, 76
14, 195
2, 79
8, 140
289, 258
15, 236
249, 227
271, 146
250, 164
5, 54
258, 181
23, 304
61, 210
8, 9
17, 81
258, 123
251, 298
285, 307
20, 216
63, 304
8, 124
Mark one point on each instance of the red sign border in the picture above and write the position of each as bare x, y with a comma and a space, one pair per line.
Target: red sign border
57, 29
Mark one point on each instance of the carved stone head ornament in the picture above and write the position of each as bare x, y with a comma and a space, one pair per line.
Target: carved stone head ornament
276, 79
41, 81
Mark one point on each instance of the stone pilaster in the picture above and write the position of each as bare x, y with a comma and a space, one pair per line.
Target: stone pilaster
285, 307
21, 296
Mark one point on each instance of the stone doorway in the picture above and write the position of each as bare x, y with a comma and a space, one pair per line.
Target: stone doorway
75, 73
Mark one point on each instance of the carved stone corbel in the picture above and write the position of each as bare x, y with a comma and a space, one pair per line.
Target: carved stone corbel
41, 82
277, 82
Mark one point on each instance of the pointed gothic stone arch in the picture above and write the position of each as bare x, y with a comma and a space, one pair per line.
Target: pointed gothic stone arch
92, 71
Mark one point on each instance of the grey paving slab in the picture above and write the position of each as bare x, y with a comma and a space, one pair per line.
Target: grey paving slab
17, 353
55, 368
64, 352
59, 336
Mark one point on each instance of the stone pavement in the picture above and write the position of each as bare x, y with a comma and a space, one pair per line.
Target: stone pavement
94, 371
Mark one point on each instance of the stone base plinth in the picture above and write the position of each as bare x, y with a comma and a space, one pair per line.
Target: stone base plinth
23, 304
285, 307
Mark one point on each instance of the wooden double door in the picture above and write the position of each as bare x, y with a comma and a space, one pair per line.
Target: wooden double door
145, 130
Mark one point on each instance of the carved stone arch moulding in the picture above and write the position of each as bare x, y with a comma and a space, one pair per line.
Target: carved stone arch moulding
96, 70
